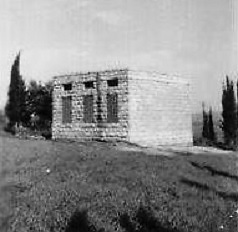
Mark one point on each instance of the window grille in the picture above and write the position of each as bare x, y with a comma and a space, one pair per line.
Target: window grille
88, 108
67, 87
112, 83
88, 85
112, 108
66, 109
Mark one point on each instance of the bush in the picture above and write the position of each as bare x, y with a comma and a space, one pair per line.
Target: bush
227, 147
203, 142
46, 134
10, 128
207, 143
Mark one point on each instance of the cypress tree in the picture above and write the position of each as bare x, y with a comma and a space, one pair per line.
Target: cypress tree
16, 106
205, 130
211, 126
229, 112
236, 113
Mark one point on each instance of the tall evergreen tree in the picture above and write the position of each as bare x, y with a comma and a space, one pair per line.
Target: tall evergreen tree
16, 106
205, 129
229, 112
237, 113
211, 126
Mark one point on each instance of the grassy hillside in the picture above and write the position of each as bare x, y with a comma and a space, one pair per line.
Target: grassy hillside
52, 186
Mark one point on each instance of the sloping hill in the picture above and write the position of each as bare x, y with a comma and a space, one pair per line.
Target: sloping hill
45, 183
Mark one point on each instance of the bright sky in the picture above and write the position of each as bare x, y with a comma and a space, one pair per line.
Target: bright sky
195, 39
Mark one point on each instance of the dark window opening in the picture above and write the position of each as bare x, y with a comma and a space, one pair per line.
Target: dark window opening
88, 108
66, 109
112, 83
112, 108
88, 84
67, 87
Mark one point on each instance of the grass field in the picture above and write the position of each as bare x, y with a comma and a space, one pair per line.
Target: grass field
182, 192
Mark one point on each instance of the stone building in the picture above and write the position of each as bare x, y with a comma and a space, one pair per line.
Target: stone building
141, 107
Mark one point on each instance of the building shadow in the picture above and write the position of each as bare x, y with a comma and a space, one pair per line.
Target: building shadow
213, 171
204, 187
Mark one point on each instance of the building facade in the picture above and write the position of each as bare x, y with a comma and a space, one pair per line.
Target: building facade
140, 107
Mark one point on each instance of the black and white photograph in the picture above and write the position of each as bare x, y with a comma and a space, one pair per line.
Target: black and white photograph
119, 115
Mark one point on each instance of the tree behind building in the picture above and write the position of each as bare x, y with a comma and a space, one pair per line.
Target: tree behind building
205, 129
208, 127
39, 104
212, 136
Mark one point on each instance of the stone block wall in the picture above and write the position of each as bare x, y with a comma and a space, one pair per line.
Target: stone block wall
97, 129
159, 110
153, 109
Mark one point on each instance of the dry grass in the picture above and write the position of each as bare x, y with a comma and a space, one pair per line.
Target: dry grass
186, 193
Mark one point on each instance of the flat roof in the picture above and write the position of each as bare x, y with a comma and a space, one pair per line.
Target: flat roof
136, 74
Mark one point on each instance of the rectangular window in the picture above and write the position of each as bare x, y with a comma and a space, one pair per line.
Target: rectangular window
112, 108
88, 108
88, 85
67, 87
66, 109
112, 83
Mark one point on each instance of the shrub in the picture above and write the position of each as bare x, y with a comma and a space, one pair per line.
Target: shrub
46, 134
10, 128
